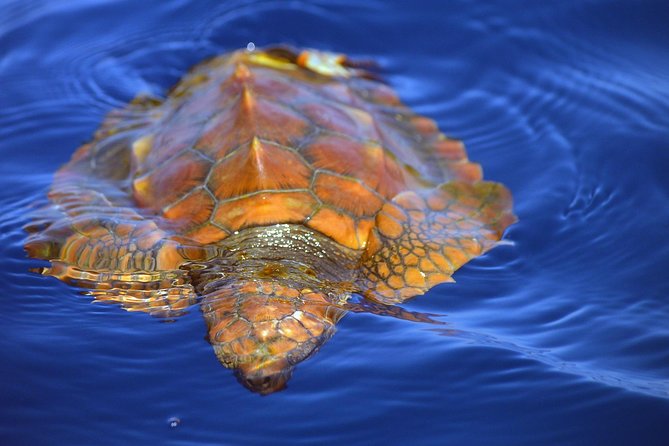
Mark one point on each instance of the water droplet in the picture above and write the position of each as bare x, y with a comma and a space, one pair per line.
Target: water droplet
173, 422
250, 46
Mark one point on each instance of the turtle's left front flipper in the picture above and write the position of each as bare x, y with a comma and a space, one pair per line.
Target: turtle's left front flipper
420, 239
93, 233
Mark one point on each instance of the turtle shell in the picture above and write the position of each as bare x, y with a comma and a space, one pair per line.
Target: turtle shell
260, 138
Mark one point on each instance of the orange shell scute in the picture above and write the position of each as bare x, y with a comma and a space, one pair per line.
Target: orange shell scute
366, 161
337, 225
207, 234
450, 149
257, 166
388, 226
342, 119
248, 117
264, 209
171, 180
347, 194
410, 200
193, 209
176, 136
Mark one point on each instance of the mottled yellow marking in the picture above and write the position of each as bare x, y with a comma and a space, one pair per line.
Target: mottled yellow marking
259, 308
142, 147
363, 231
141, 186
264, 59
322, 62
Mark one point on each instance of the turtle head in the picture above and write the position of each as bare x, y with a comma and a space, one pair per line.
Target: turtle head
263, 377
262, 329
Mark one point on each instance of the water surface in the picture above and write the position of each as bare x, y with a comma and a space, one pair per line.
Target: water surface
559, 337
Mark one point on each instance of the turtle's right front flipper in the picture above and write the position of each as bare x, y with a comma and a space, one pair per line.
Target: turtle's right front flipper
421, 239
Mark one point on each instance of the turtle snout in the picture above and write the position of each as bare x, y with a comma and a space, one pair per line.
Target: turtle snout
263, 382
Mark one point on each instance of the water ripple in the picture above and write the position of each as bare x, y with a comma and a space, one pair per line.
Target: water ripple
566, 103
634, 382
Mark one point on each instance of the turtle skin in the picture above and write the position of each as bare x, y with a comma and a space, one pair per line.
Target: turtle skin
271, 186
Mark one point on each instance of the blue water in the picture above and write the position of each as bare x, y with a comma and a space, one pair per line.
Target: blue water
561, 337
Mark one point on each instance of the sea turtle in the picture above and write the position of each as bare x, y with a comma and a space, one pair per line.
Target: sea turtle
271, 186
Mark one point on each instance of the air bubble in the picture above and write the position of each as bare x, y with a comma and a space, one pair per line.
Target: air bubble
173, 422
250, 46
